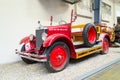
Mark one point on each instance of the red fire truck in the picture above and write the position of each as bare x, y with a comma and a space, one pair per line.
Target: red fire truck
55, 45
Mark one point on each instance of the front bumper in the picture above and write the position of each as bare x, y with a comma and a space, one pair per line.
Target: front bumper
35, 57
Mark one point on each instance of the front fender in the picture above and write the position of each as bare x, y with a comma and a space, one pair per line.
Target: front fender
103, 35
53, 38
61, 37
29, 45
25, 40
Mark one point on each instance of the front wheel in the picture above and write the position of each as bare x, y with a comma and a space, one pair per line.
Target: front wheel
105, 46
57, 57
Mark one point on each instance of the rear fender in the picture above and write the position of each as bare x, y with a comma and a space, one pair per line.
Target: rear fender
60, 37
104, 35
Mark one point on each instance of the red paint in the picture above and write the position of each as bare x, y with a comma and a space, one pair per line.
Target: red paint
105, 46
52, 38
58, 57
32, 44
25, 40
103, 36
92, 35
32, 47
64, 29
62, 33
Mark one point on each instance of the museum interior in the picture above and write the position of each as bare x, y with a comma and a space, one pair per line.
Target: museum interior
59, 39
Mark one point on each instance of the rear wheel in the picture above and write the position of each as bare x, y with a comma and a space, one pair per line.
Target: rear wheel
24, 59
57, 57
89, 35
105, 46
118, 40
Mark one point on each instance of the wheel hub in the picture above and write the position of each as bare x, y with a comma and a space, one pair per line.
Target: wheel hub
59, 57
91, 35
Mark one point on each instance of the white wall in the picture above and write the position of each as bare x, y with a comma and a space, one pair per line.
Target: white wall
110, 18
15, 22
18, 18
117, 10
117, 13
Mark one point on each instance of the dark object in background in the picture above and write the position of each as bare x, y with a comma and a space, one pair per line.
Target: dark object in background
71, 1
117, 33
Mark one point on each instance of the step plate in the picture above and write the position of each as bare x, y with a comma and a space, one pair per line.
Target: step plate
81, 52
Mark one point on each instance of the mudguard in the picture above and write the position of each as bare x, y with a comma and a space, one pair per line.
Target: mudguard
52, 38
25, 40
29, 45
60, 37
104, 35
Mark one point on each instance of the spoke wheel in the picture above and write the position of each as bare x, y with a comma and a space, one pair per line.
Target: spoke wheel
89, 35
57, 57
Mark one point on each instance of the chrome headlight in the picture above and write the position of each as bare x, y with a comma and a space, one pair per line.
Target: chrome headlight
31, 37
44, 36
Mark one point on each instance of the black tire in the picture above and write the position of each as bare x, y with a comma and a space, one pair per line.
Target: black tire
105, 46
118, 40
117, 29
89, 35
57, 60
24, 59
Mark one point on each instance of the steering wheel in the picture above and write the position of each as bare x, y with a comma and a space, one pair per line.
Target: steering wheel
62, 22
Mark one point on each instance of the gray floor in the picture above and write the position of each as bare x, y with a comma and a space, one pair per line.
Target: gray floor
110, 73
76, 68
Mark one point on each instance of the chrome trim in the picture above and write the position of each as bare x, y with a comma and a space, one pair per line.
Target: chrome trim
35, 57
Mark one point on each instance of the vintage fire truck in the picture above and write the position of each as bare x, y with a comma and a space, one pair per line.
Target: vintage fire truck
55, 45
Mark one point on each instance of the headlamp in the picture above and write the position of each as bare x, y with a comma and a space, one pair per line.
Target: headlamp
31, 37
44, 35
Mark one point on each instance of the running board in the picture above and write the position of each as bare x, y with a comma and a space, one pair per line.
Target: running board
77, 43
81, 52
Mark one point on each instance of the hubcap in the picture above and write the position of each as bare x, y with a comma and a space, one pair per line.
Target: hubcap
91, 35
58, 57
